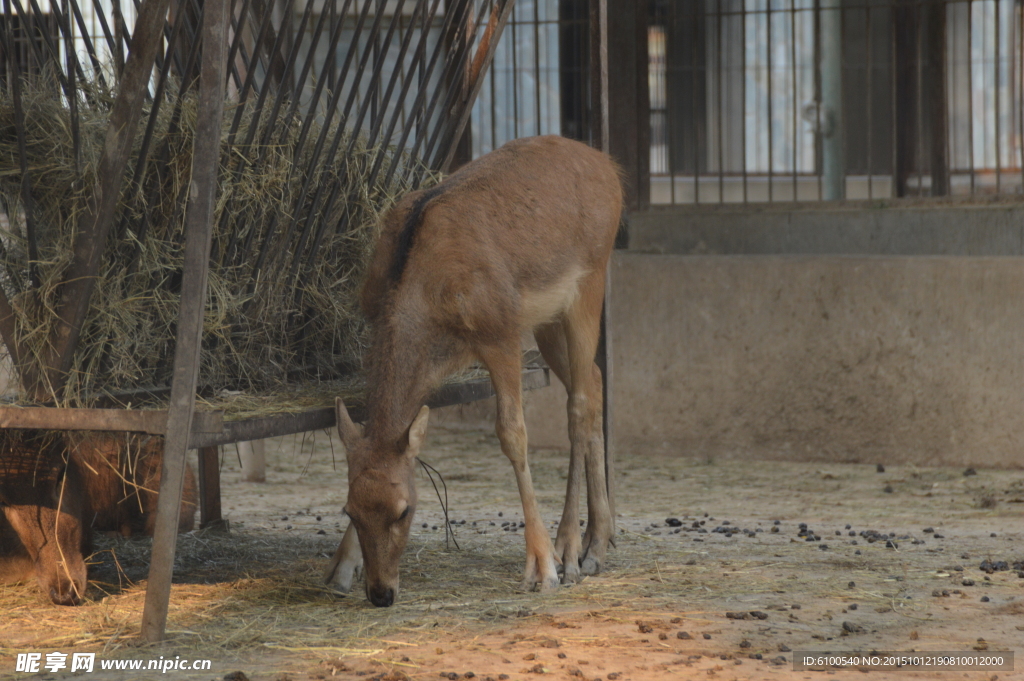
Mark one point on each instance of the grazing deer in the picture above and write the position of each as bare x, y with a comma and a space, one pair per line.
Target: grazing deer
56, 489
516, 240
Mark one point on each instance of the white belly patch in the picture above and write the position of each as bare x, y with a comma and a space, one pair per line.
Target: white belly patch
544, 305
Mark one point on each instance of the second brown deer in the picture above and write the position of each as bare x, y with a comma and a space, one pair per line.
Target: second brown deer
518, 240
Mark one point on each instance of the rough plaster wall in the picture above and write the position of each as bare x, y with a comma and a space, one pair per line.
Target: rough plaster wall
889, 359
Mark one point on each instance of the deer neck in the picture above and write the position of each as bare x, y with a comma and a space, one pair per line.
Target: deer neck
398, 379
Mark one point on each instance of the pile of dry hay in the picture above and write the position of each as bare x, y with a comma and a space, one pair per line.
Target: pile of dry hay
279, 306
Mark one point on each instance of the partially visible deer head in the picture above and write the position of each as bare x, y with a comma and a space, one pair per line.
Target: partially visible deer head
381, 499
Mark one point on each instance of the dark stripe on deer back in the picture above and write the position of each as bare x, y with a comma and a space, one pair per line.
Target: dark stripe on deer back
407, 237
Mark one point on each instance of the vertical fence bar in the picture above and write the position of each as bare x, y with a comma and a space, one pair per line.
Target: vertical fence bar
771, 111
920, 146
795, 101
720, 19
743, 98
970, 91
833, 162
515, 70
600, 137
936, 104
1019, 85
670, 155
536, 63
870, 101
996, 60
198, 236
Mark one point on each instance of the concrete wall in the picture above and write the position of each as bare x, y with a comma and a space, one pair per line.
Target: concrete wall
889, 333
837, 358
899, 227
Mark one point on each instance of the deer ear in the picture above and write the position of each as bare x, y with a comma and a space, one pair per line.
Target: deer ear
350, 432
417, 431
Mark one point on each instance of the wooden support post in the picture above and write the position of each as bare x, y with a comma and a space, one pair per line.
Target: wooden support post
198, 230
209, 487
253, 458
600, 139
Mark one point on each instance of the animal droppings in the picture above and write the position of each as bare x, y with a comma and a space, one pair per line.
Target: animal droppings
970, 471
989, 567
683, 635
879, 468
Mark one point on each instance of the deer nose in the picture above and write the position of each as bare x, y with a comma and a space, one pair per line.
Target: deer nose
382, 597
65, 595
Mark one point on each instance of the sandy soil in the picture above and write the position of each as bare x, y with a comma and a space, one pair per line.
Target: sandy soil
674, 602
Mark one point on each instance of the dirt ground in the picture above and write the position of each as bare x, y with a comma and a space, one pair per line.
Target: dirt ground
732, 592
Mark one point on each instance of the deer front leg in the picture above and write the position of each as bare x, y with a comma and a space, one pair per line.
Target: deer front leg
347, 562
505, 367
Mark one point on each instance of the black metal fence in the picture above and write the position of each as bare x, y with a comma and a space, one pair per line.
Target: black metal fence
930, 98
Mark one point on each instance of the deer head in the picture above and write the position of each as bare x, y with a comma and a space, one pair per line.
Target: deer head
381, 499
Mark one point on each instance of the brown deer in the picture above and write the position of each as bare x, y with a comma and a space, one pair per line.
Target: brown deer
55, 489
518, 240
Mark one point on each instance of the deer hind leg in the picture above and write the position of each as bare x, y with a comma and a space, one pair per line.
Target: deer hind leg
347, 562
568, 545
582, 327
505, 366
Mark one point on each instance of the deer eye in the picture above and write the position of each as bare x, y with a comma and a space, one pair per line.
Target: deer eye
405, 514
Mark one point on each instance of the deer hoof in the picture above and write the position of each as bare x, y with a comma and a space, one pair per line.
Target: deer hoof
344, 576
590, 566
571, 573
